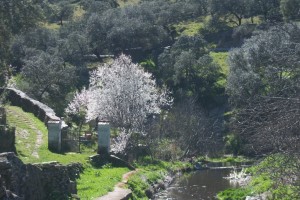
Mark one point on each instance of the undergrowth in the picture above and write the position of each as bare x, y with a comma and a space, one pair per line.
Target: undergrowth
98, 182
150, 172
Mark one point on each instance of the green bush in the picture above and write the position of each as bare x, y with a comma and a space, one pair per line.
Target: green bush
233, 144
150, 172
261, 183
138, 186
234, 194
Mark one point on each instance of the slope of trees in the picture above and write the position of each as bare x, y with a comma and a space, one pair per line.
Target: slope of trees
51, 49
264, 88
50, 64
189, 71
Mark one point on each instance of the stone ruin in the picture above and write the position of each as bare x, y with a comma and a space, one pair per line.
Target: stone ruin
43, 181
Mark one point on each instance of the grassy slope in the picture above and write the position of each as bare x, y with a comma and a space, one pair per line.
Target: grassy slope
189, 28
221, 59
78, 13
98, 182
92, 183
26, 125
150, 172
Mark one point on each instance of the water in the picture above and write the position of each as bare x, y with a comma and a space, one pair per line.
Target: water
198, 185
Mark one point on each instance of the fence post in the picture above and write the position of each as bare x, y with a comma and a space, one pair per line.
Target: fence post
54, 136
103, 137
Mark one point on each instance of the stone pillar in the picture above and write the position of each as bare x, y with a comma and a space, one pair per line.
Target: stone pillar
103, 138
54, 136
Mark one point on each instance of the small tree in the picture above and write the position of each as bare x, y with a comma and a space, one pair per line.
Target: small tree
77, 108
123, 93
47, 78
189, 71
290, 9
63, 11
235, 8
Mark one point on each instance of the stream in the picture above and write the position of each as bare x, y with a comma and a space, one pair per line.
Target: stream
198, 185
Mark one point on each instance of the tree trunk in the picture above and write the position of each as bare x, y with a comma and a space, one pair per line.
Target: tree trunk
240, 21
61, 21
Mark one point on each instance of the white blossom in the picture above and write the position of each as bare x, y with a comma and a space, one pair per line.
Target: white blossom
125, 94
120, 142
79, 103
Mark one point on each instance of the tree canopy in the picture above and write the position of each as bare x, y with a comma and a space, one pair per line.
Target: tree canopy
263, 85
189, 71
123, 93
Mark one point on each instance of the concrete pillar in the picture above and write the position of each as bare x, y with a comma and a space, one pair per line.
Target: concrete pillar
103, 138
54, 136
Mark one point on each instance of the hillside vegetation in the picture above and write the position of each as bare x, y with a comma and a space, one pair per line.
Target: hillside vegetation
192, 77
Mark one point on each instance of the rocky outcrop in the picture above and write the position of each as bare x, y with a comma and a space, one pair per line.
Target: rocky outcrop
159, 186
38, 181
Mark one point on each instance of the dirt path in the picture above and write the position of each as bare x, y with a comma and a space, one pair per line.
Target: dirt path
25, 134
120, 192
38, 142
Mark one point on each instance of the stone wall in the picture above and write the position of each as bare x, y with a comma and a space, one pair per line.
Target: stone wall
7, 139
41, 111
20, 99
7, 134
43, 181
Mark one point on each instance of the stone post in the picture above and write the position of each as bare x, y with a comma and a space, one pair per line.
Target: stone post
103, 138
54, 136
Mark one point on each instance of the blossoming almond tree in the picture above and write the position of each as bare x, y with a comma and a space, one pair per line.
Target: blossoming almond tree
78, 106
123, 93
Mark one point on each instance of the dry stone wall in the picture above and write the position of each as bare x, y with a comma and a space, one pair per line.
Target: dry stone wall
7, 139
7, 134
40, 110
43, 181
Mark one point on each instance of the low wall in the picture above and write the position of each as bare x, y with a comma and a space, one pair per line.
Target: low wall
20, 99
43, 181
7, 134
7, 139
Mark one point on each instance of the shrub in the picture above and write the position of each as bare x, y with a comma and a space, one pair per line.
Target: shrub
234, 194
